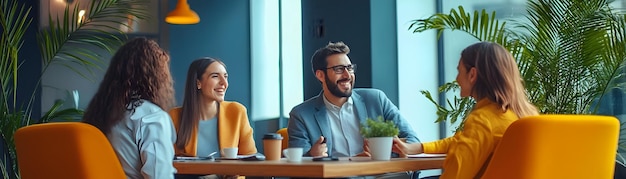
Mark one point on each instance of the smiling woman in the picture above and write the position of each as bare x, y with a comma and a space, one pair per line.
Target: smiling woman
206, 123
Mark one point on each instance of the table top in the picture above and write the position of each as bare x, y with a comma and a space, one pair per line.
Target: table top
346, 166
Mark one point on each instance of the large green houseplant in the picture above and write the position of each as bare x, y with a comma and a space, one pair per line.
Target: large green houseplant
571, 53
66, 41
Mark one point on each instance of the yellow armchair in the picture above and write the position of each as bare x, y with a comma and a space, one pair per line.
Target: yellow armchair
285, 141
556, 146
68, 150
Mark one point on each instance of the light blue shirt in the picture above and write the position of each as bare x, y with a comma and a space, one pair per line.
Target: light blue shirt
345, 129
207, 138
144, 142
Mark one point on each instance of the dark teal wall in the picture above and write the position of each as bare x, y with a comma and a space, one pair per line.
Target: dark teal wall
30, 59
224, 33
385, 48
343, 20
368, 27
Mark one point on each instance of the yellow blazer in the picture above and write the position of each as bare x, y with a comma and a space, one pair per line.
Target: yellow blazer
233, 129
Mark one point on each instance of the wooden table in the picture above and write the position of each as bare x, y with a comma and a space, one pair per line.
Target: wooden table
354, 166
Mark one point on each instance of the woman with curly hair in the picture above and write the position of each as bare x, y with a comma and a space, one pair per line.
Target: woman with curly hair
129, 108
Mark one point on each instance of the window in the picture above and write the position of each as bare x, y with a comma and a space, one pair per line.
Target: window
276, 33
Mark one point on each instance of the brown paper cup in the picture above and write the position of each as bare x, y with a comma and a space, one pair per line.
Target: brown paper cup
272, 149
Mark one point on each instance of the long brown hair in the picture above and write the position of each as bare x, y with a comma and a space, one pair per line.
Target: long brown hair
193, 103
497, 77
139, 70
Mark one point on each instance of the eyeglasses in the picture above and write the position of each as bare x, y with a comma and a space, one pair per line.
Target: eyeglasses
339, 69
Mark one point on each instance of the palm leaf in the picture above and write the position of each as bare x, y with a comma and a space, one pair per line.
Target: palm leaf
570, 52
65, 43
76, 46
574, 59
55, 112
457, 108
479, 24
14, 20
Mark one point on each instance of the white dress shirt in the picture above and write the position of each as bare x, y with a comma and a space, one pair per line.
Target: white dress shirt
143, 142
345, 128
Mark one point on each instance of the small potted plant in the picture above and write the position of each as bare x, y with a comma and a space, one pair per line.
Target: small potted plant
379, 134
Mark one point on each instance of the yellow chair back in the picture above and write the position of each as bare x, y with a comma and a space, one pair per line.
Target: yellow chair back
556, 146
68, 150
285, 142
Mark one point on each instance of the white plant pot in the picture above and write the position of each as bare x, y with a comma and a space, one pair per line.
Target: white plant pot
380, 147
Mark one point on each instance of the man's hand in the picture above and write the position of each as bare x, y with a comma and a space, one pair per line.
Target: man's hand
366, 149
364, 154
319, 149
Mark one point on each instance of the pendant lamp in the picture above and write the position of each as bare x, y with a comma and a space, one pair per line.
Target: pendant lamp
182, 14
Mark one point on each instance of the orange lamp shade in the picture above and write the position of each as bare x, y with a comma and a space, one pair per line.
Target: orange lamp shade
182, 14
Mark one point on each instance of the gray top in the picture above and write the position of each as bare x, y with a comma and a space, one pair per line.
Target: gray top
207, 138
144, 142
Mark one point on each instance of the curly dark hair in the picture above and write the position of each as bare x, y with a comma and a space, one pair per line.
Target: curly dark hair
138, 71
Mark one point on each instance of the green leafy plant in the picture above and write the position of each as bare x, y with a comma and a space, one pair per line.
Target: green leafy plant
379, 128
76, 46
570, 53
457, 108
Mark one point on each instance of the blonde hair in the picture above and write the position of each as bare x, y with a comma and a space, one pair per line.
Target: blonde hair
497, 77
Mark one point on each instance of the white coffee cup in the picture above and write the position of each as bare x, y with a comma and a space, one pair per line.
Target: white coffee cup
293, 154
230, 152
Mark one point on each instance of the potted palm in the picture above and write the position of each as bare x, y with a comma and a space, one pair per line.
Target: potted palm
570, 53
62, 42
379, 134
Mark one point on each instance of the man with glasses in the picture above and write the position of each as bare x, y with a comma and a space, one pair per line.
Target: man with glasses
328, 124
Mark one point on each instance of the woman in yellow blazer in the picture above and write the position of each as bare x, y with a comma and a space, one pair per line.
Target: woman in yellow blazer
206, 123
488, 73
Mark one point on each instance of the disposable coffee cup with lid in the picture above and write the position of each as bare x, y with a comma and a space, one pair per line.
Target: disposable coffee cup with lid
272, 136
272, 146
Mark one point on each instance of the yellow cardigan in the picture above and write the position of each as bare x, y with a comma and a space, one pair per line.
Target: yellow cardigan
233, 129
468, 151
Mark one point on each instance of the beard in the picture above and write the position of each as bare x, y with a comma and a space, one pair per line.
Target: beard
334, 88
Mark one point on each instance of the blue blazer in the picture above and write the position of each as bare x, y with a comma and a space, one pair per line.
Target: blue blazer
308, 121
